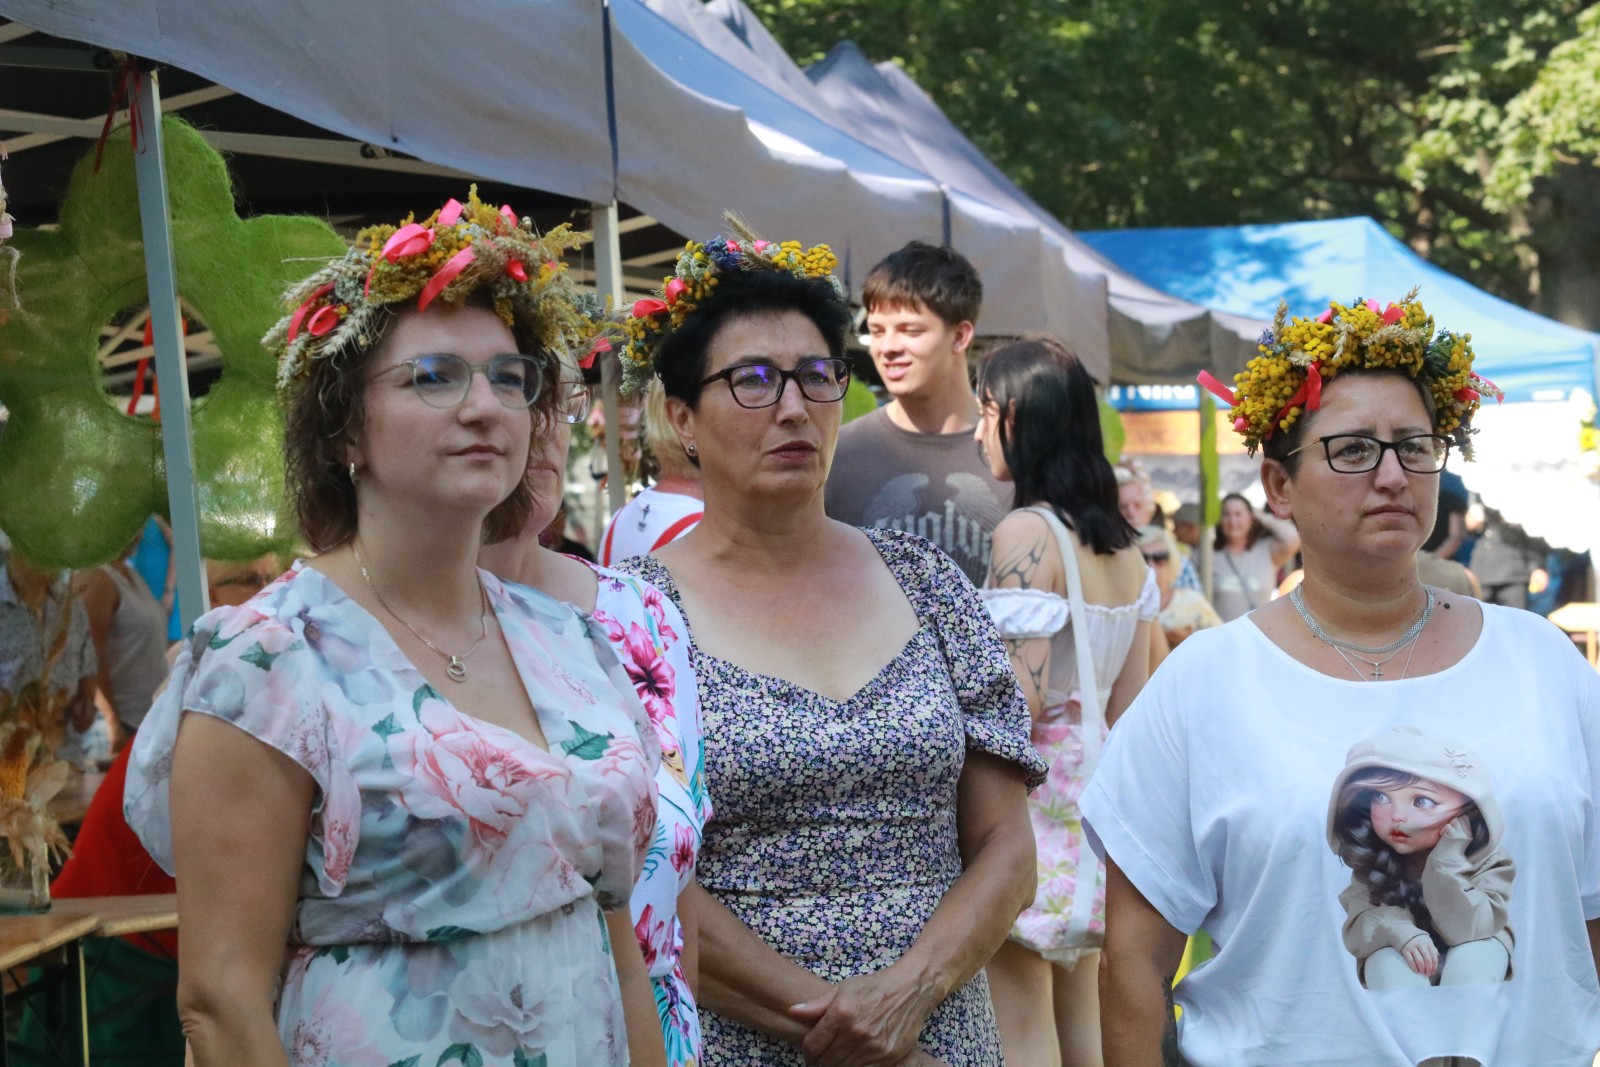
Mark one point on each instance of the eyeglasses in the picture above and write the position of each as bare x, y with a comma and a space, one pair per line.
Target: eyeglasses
574, 403
1156, 557
443, 380
760, 385
1357, 453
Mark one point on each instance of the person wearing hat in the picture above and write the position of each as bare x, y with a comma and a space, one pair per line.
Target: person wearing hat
1416, 821
1211, 799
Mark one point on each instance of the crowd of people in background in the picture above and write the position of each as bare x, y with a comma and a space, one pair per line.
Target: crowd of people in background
846, 743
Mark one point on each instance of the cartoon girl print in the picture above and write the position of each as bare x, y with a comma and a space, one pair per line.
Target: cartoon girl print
1416, 821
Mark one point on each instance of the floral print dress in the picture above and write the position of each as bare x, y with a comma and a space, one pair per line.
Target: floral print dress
651, 640
835, 835
450, 904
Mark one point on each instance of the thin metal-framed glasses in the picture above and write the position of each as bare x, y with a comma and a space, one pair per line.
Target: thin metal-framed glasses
1357, 453
573, 402
444, 380
760, 385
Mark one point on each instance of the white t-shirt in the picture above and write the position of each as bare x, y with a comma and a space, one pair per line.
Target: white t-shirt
1213, 797
647, 522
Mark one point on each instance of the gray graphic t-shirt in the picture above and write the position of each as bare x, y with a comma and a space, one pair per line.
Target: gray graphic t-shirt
933, 485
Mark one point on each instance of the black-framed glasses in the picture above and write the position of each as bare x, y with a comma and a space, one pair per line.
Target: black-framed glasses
760, 385
574, 402
1156, 557
443, 380
1357, 453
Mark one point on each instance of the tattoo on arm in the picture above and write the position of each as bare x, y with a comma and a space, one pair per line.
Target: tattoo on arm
1169, 1036
1029, 669
1019, 568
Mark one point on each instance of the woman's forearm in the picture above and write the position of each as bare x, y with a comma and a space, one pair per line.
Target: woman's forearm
975, 916
646, 1046
745, 979
1137, 1023
228, 1033
1137, 967
999, 879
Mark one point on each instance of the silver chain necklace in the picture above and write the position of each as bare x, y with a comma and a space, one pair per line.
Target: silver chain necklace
1297, 598
1377, 673
457, 667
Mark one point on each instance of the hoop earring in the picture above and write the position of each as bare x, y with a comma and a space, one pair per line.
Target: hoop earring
353, 478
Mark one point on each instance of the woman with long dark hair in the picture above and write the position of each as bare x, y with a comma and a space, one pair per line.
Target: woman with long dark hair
1064, 555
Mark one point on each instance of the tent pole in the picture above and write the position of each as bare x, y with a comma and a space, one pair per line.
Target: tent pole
1210, 479
150, 171
608, 280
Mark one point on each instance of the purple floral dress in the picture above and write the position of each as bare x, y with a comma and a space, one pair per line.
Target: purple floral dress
450, 904
835, 835
651, 640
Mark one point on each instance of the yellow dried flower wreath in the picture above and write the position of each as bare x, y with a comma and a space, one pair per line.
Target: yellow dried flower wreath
1297, 355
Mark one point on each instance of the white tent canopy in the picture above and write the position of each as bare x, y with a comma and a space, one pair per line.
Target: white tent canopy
885, 202
596, 101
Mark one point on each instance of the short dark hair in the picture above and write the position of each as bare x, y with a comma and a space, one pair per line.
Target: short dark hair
680, 357
1053, 445
936, 277
327, 406
1280, 444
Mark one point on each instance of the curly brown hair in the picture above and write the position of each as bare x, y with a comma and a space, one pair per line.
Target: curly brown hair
327, 407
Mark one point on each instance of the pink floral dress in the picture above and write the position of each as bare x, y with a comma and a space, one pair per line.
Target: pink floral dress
650, 639
1061, 925
450, 904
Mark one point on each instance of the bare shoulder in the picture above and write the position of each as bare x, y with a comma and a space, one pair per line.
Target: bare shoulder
1024, 554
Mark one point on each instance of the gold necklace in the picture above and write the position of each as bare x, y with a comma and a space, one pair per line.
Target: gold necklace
457, 667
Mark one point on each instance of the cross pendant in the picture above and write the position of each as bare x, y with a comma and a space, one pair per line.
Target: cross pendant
1377, 670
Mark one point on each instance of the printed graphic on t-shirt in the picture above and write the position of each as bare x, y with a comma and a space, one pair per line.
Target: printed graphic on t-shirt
958, 516
1415, 819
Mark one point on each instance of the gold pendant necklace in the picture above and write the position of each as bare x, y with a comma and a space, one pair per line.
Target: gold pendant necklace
456, 668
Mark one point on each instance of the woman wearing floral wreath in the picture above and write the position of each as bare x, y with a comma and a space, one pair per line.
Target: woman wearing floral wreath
1212, 801
432, 787
866, 742
650, 640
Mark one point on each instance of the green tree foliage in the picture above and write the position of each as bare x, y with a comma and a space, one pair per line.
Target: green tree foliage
1438, 117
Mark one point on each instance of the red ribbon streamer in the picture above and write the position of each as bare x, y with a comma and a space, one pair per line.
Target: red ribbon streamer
1215, 386
444, 276
304, 309
124, 95
600, 345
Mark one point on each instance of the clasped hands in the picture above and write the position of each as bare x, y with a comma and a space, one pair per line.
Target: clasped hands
871, 1020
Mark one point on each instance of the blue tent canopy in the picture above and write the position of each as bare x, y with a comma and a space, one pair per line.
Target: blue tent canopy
1246, 269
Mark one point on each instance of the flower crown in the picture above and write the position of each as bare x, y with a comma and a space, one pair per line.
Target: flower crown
694, 279
1298, 355
457, 251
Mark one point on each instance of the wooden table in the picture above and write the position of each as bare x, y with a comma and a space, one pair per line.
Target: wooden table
27, 938
1581, 617
120, 916
24, 938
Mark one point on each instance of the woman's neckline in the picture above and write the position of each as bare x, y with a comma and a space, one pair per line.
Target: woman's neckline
669, 586
1473, 652
495, 589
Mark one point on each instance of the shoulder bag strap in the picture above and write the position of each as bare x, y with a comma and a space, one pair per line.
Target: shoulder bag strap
1244, 586
1092, 718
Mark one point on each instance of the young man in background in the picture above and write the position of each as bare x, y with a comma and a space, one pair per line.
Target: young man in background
912, 465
